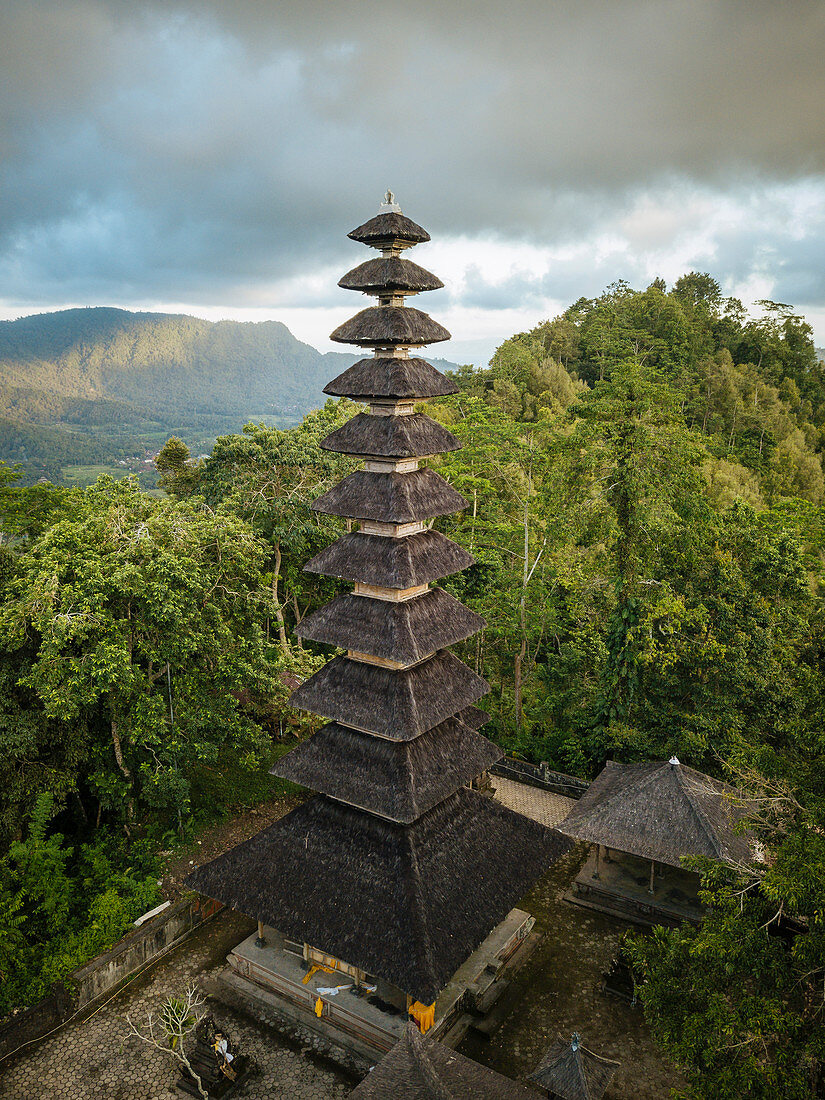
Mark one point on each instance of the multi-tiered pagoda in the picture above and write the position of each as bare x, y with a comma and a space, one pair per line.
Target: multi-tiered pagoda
396, 871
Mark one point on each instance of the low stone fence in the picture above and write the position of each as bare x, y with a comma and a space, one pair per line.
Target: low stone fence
540, 775
100, 976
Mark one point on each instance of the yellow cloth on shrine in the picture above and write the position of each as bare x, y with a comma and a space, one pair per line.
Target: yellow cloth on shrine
424, 1015
314, 969
319, 1007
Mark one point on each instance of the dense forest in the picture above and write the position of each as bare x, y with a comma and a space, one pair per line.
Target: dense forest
645, 478
85, 386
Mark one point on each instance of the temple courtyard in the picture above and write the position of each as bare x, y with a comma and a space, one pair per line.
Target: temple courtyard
553, 993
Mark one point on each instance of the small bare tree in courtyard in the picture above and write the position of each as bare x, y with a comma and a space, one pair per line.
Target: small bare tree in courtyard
168, 1029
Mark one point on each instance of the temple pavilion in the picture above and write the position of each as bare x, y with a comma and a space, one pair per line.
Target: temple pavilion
392, 890
569, 1071
642, 819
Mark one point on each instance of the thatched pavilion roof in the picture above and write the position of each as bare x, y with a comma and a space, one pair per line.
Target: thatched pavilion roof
398, 705
391, 498
387, 377
399, 780
406, 631
391, 437
387, 230
432, 889
391, 562
659, 811
388, 273
474, 717
572, 1072
383, 326
418, 1068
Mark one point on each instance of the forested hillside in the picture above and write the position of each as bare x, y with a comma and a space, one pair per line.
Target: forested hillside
645, 485
94, 385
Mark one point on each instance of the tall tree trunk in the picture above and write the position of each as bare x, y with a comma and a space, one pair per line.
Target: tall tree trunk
127, 775
279, 613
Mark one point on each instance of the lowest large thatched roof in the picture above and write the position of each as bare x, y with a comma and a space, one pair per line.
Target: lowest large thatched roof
571, 1072
422, 1069
660, 811
406, 902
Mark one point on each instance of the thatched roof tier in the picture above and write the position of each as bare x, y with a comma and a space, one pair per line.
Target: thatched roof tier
570, 1071
660, 811
392, 497
398, 705
389, 230
387, 378
390, 273
406, 631
399, 780
391, 437
434, 889
391, 562
386, 326
418, 1068
474, 717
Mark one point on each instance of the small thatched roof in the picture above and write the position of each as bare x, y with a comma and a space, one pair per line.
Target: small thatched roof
406, 631
407, 903
418, 1068
399, 780
391, 562
391, 498
660, 811
387, 230
391, 437
388, 273
388, 377
398, 705
570, 1071
382, 326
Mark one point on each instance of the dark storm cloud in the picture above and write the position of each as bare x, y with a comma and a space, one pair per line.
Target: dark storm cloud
199, 150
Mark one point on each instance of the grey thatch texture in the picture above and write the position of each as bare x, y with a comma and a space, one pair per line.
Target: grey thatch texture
407, 631
659, 811
390, 562
406, 902
387, 377
399, 780
397, 705
381, 326
391, 437
418, 1068
391, 498
385, 229
570, 1071
387, 273
474, 717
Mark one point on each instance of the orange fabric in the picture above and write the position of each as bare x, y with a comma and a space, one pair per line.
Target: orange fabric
319, 1007
424, 1015
314, 969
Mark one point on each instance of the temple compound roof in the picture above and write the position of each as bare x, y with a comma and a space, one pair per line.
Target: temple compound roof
660, 811
570, 1071
395, 866
420, 1069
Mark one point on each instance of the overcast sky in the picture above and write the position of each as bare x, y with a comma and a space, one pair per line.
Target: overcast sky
210, 157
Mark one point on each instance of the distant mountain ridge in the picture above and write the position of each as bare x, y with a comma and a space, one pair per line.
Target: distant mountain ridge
111, 380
